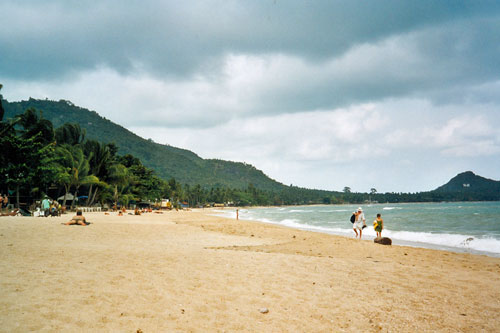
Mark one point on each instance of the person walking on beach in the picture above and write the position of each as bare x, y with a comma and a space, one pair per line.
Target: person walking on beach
378, 225
359, 223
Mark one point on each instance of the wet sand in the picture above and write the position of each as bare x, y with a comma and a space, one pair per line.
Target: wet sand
188, 271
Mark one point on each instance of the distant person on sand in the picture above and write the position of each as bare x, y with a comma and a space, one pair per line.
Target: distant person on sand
359, 223
77, 219
15, 212
46, 206
53, 209
1, 202
378, 225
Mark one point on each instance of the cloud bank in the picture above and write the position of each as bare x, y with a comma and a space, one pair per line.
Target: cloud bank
394, 95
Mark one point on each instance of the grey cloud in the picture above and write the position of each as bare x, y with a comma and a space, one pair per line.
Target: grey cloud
51, 38
443, 63
362, 148
321, 55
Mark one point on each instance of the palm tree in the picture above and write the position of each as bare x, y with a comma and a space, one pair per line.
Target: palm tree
34, 125
64, 178
70, 134
372, 192
75, 170
4, 125
80, 172
120, 182
176, 191
100, 163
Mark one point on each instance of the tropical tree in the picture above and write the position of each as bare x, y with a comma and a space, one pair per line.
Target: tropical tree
25, 163
34, 125
27, 154
176, 191
75, 170
100, 162
63, 178
70, 134
120, 182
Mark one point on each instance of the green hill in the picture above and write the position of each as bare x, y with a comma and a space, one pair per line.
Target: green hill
468, 182
184, 165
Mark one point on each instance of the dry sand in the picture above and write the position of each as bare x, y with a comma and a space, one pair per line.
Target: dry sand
191, 272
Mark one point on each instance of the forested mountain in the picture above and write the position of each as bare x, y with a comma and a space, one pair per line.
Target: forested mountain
221, 181
470, 183
169, 162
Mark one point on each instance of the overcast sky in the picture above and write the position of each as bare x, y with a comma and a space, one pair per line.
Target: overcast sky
395, 95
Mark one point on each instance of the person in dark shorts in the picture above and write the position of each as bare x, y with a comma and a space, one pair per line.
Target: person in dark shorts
77, 219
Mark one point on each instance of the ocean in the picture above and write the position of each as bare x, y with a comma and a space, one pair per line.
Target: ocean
472, 227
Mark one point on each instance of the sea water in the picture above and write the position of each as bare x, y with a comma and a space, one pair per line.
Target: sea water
459, 226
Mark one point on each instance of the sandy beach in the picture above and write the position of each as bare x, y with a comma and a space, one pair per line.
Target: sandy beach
188, 271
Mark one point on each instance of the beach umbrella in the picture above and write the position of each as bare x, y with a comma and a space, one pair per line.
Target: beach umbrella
69, 196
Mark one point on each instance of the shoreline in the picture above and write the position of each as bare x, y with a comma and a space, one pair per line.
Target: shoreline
189, 271
347, 232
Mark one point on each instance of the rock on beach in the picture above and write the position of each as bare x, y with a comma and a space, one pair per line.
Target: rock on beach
383, 240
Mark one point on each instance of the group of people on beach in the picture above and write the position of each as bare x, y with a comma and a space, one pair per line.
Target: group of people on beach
51, 207
80, 219
359, 223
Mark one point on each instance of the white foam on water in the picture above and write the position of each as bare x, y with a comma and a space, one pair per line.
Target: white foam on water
446, 241
439, 208
335, 211
297, 225
224, 213
458, 241
420, 239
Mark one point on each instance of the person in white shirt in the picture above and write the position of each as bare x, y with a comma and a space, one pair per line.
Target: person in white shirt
359, 223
